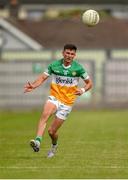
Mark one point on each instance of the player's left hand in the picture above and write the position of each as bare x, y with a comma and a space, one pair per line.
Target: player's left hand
79, 91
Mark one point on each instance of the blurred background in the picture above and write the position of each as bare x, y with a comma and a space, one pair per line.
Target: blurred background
33, 33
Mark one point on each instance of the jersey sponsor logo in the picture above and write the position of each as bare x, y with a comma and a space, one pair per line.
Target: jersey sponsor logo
64, 81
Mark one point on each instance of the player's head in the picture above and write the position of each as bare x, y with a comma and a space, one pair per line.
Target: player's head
70, 47
69, 52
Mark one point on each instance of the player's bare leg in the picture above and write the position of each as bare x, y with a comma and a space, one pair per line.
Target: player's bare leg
49, 109
54, 136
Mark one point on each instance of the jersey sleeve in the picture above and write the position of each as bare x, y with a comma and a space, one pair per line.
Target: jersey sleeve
48, 70
83, 74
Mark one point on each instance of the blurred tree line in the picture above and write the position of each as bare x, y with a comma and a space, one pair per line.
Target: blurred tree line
76, 1
5, 2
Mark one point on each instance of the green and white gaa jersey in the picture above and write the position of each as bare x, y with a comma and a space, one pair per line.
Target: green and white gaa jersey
65, 80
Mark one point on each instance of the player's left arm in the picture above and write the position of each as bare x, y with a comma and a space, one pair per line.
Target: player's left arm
87, 86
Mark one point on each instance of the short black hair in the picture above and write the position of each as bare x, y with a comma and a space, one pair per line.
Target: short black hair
70, 46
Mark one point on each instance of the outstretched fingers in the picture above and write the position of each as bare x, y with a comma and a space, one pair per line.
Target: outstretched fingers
28, 87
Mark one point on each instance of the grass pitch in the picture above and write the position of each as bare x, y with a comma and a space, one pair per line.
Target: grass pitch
92, 144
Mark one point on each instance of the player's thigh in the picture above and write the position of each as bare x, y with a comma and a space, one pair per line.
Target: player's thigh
56, 124
49, 109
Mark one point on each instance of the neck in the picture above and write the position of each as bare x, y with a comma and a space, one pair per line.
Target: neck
67, 63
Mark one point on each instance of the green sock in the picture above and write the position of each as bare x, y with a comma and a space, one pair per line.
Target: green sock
38, 138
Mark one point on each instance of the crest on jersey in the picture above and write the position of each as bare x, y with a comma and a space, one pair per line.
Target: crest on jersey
73, 73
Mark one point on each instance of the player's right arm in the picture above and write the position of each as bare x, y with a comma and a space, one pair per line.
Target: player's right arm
30, 86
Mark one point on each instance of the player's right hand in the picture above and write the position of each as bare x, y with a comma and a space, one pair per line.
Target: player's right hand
28, 87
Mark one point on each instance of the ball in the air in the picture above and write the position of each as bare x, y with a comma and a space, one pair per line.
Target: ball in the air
91, 17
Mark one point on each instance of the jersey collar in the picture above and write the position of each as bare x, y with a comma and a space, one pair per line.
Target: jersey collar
66, 67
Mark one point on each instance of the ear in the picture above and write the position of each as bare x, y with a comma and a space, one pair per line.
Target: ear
75, 54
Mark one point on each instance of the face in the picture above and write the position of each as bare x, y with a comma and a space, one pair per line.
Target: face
68, 56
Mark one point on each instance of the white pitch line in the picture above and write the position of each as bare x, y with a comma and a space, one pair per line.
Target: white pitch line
58, 167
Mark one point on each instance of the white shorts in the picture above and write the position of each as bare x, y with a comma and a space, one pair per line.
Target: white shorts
62, 109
